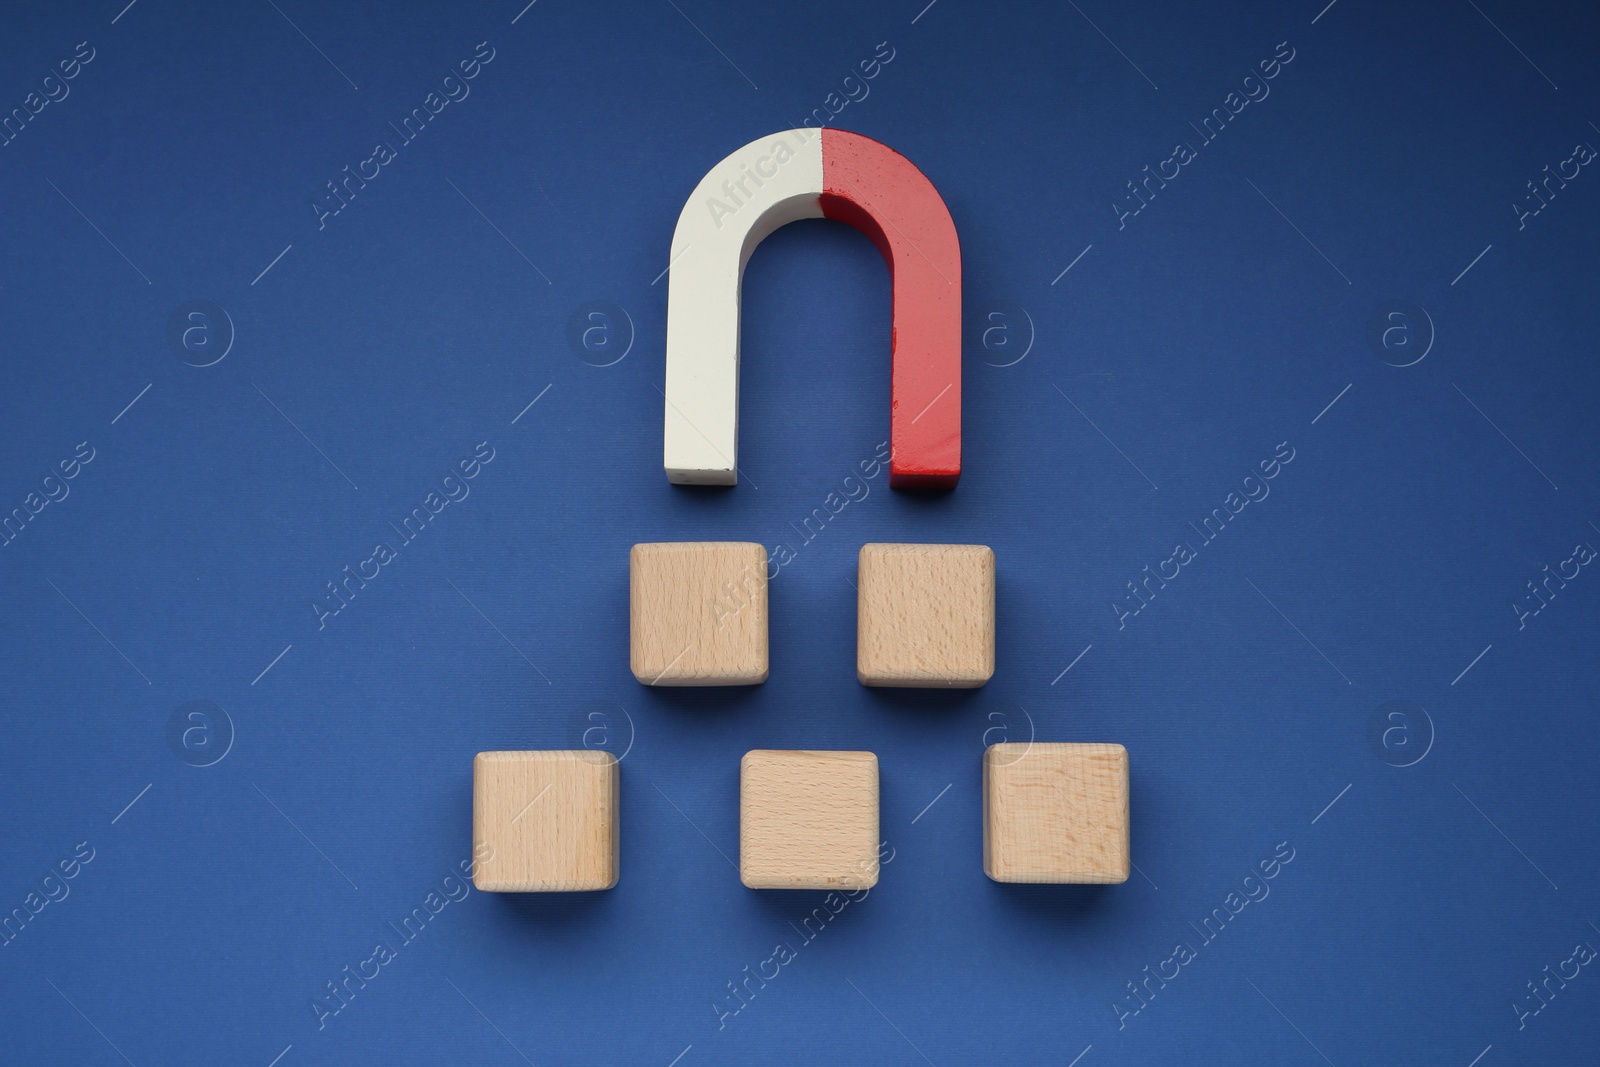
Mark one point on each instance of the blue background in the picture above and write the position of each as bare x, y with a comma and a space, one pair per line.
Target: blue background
1106, 409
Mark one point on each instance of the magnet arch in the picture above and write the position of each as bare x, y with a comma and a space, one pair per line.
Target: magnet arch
801, 174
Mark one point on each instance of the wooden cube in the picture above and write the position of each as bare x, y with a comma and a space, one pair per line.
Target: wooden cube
925, 615
698, 613
808, 820
545, 822
1055, 813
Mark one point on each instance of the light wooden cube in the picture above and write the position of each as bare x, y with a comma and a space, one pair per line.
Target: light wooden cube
808, 820
545, 822
698, 613
925, 616
1055, 813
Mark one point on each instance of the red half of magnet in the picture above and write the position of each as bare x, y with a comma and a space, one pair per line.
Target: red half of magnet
881, 193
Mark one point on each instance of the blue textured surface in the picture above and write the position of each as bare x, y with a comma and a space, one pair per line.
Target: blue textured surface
1187, 344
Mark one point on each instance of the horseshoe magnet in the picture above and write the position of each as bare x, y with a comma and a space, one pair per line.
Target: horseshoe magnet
801, 174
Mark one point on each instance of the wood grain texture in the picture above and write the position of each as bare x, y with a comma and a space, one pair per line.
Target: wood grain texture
545, 821
1055, 813
808, 820
925, 615
698, 613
